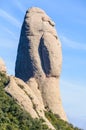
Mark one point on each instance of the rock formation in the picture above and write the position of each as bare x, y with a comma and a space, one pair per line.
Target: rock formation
2, 66
27, 98
39, 59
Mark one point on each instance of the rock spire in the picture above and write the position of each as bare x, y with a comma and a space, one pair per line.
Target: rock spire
39, 58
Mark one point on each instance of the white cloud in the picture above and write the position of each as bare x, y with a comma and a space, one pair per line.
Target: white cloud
67, 83
12, 34
9, 18
73, 93
72, 44
20, 6
73, 84
7, 44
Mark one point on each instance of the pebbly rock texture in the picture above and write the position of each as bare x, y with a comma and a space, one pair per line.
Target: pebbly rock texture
2, 66
39, 59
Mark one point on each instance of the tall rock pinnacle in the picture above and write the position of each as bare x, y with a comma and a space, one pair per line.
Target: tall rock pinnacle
39, 56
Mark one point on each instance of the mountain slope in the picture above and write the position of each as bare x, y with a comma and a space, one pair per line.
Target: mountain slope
12, 117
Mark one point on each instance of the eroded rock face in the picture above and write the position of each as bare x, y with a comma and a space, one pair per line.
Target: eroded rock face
39, 57
27, 99
2, 66
39, 51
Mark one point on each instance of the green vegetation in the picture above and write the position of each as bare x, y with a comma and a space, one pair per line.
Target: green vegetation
58, 123
12, 117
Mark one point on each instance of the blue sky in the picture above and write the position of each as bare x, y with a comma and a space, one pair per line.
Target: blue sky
70, 19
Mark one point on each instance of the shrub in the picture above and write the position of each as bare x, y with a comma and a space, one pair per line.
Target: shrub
58, 123
12, 117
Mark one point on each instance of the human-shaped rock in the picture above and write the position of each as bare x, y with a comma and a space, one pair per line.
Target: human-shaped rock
39, 56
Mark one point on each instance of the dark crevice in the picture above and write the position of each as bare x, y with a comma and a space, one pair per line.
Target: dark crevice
44, 57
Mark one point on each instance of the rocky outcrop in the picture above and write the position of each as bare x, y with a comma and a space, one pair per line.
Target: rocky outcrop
27, 99
2, 66
39, 59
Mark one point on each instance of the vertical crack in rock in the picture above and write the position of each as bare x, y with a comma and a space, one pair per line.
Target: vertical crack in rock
44, 57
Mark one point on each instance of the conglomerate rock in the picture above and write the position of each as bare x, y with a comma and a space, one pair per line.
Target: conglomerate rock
39, 58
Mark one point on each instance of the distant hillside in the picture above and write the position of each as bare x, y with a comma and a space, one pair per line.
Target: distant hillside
12, 117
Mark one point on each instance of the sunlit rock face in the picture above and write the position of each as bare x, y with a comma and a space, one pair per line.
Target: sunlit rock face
39, 56
2, 66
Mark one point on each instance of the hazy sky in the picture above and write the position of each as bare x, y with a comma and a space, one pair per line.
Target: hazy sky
70, 19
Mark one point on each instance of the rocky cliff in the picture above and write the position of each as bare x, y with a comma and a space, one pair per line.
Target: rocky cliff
38, 67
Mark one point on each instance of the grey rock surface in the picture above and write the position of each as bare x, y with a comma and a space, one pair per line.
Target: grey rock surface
39, 57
